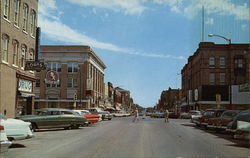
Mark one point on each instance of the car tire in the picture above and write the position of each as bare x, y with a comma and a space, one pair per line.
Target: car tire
109, 119
33, 127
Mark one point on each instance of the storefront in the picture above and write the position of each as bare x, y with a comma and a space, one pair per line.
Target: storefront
25, 94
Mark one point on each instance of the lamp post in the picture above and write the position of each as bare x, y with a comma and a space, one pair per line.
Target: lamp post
230, 85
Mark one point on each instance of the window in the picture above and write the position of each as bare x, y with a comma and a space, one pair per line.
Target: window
25, 17
15, 52
212, 79
37, 82
238, 63
211, 61
72, 67
222, 78
6, 9
54, 66
72, 83
32, 54
23, 58
16, 12
222, 62
5, 48
33, 23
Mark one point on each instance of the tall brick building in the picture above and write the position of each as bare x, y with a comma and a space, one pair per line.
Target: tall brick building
18, 21
81, 78
217, 70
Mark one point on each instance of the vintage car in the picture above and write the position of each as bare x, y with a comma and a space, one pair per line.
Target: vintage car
174, 115
92, 118
55, 118
208, 114
157, 114
106, 115
16, 129
239, 127
121, 114
220, 123
4, 142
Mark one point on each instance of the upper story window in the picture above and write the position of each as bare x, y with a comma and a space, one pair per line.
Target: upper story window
32, 54
25, 16
239, 63
222, 78
222, 62
72, 67
54, 66
6, 8
37, 82
33, 23
15, 52
72, 83
24, 53
5, 44
211, 61
212, 78
16, 12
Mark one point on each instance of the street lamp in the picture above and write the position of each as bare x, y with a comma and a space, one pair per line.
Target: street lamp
229, 43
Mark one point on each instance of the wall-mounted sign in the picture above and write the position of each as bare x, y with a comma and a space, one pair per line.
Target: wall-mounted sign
196, 95
25, 85
35, 65
52, 77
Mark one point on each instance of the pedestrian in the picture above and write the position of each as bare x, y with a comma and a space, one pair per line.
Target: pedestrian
166, 115
136, 118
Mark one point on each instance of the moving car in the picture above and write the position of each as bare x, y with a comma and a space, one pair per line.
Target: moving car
240, 126
55, 118
157, 114
4, 142
92, 118
16, 129
220, 123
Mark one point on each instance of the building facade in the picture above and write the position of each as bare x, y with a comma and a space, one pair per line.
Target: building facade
213, 76
18, 40
80, 78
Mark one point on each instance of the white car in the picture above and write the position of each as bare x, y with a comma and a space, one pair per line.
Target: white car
16, 129
4, 142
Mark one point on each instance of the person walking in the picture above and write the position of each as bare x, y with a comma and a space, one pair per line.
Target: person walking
166, 115
136, 118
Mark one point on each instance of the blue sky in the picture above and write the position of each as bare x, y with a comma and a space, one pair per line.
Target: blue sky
144, 43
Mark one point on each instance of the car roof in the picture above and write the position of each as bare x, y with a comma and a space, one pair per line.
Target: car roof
53, 109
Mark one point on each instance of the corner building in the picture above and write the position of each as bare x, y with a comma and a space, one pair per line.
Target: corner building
18, 21
81, 78
217, 69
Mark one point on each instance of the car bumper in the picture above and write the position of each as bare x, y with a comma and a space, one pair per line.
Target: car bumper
4, 145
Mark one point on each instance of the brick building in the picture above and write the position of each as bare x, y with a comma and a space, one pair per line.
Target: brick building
18, 21
170, 99
81, 78
216, 70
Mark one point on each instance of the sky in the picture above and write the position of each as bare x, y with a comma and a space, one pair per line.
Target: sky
143, 43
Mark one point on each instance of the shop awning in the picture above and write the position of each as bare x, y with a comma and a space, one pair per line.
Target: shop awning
26, 95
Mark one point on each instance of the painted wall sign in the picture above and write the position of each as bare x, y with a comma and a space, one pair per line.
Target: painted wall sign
25, 85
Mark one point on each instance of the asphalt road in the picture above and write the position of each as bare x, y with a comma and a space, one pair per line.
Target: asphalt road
121, 138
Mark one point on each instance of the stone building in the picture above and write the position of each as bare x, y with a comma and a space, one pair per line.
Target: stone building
18, 21
214, 75
81, 78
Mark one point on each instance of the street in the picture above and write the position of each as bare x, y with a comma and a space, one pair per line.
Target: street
120, 137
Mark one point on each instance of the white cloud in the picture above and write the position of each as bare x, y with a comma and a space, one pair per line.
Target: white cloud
220, 7
209, 21
57, 31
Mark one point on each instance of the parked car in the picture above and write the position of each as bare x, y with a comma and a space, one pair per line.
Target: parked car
184, 115
121, 114
196, 116
208, 114
4, 142
235, 126
55, 118
96, 111
16, 129
174, 115
92, 118
106, 115
220, 123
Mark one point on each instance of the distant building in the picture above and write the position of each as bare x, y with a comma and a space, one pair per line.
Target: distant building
214, 77
170, 99
81, 78
18, 22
